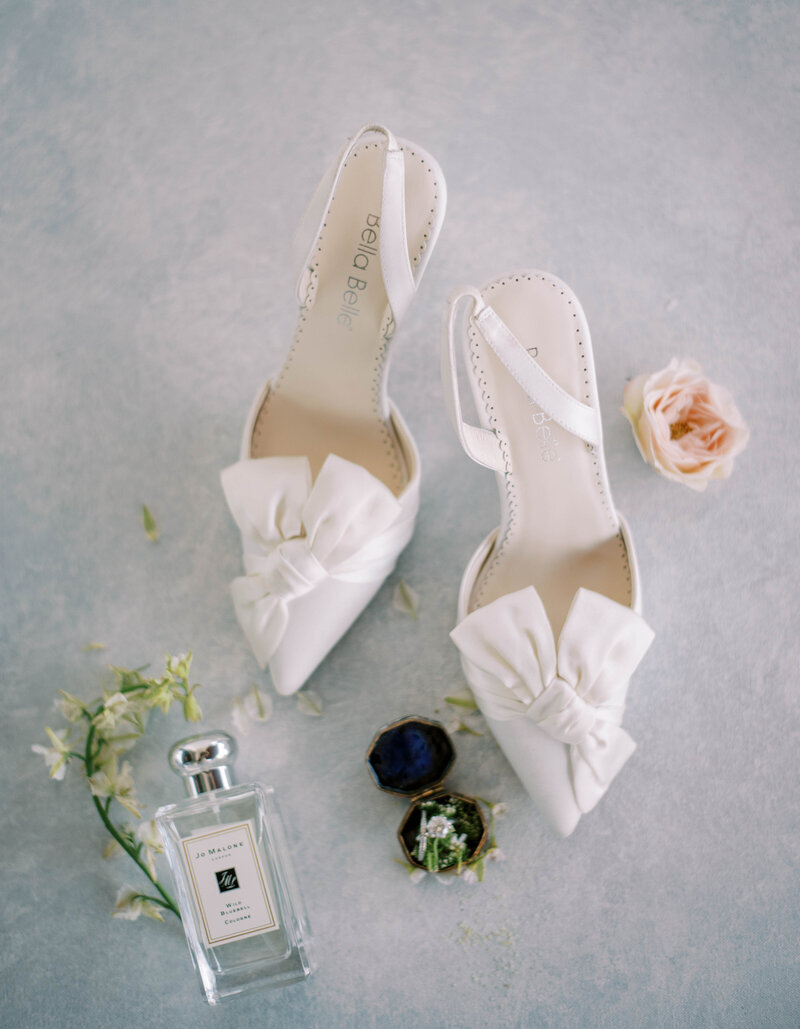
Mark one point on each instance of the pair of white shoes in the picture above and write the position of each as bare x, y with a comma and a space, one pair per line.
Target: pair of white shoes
326, 491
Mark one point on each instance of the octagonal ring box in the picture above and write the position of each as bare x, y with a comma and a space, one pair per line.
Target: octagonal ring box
411, 758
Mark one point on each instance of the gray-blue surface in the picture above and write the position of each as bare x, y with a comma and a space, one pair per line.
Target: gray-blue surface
155, 160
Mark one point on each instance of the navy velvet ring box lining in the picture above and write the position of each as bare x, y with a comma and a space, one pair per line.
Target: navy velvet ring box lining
441, 831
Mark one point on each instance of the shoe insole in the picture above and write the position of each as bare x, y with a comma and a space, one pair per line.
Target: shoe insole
559, 529
330, 395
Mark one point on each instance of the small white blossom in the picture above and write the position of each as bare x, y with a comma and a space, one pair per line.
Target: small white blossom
439, 827
179, 665
113, 709
70, 707
495, 854
191, 709
117, 784
417, 875
130, 906
498, 810
468, 876
159, 694
111, 849
57, 756
149, 835
113, 746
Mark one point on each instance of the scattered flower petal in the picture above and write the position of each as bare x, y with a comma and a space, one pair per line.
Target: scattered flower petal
309, 702
468, 876
254, 706
495, 854
406, 599
417, 875
459, 725
498, 810
241, 722
149, 523
258, 705
463, 698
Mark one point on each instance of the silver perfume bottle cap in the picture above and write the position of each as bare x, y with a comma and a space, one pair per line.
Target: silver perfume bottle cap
204, 761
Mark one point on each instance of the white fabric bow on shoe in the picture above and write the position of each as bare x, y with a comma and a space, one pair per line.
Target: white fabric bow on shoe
574, 692
295, 536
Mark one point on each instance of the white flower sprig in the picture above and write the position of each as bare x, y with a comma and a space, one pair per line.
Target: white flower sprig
106, 729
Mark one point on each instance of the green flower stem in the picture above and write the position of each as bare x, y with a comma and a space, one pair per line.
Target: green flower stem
153, 900
102, 810
167, 902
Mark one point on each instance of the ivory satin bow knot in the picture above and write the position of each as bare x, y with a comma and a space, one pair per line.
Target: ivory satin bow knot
575, 691
295, 537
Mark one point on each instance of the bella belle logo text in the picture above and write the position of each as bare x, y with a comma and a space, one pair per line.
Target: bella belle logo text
367, 249
548, 442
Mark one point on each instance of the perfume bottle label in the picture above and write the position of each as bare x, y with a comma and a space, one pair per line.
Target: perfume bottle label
227, 878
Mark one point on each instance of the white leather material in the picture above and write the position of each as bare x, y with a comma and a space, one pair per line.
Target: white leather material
574, 691
578, 418
398, 276
560, 541
480, 444
327, 489
295, 536
314, 556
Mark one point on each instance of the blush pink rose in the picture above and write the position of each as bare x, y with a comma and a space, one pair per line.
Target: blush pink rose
686, 427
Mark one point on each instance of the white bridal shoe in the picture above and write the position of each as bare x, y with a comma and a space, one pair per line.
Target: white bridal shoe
326, 490
549, 628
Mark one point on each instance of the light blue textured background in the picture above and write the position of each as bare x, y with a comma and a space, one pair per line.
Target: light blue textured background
155, 160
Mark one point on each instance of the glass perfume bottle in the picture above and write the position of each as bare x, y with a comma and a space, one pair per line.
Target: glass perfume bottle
241, 908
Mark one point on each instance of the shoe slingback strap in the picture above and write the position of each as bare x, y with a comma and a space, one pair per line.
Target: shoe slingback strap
398, 276
481, 444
